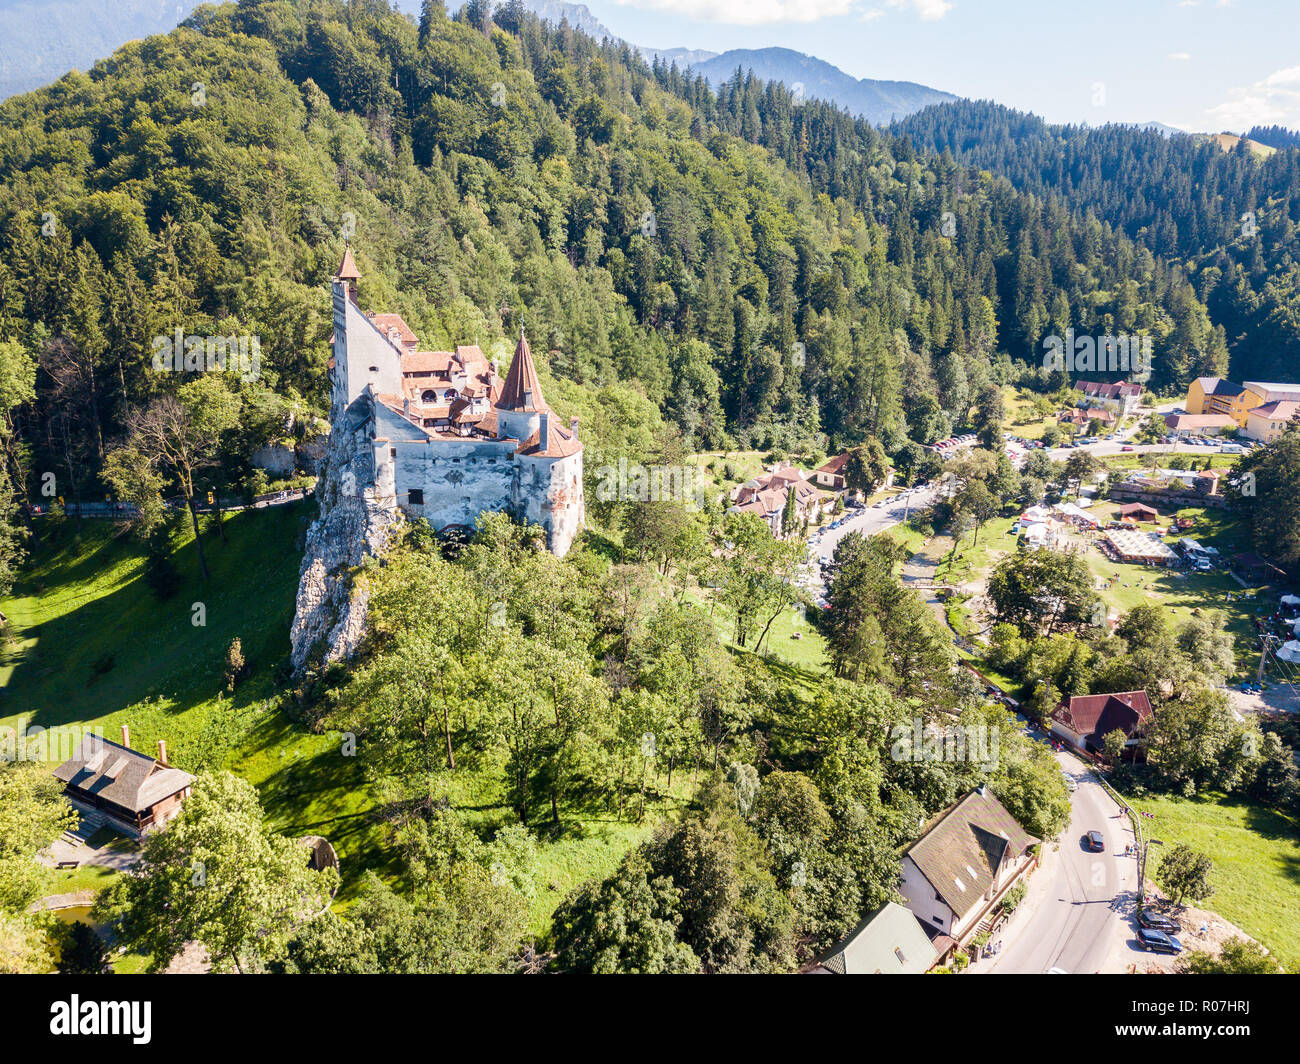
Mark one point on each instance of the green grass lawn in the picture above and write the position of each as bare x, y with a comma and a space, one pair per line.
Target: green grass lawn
91, 645
1256, 854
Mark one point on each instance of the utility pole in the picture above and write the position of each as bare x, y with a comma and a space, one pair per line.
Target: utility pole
1142, 868
1267, 642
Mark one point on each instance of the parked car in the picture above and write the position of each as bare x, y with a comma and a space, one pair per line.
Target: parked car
1094, 841
1157, 922
1158, 941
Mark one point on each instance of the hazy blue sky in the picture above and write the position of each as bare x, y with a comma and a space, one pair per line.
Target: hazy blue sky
1205, 65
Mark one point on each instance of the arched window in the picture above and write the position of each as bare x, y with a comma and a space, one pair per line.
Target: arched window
428, 396
451, 394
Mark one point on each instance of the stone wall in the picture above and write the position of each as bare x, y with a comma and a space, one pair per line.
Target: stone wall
549, 492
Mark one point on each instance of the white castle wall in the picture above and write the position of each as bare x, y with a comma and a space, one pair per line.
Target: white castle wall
548, 492
358, 346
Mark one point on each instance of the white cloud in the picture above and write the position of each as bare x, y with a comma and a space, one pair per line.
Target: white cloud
1180, 57
752, 12
1189, 3
929, 10
1289, 76
1273, 101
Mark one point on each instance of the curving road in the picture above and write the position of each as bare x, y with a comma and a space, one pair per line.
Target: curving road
1075, 916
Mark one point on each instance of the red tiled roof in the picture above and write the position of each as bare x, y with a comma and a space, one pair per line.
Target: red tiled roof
835, 465
1096, 716
1279, 410
561, 444
522, 390
389, 323
348, 267
1109, 391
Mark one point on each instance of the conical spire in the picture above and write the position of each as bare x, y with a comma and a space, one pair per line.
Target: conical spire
348, 267
522, 391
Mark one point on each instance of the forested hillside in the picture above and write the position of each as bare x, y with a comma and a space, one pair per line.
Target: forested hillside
762, 272
598, 762
1232, 216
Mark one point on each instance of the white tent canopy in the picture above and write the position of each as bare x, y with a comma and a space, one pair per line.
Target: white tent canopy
1290, 651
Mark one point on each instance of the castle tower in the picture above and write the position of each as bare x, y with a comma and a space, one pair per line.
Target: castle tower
520, 405
348, 273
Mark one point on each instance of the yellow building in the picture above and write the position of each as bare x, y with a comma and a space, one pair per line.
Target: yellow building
1214, 395
1266, 423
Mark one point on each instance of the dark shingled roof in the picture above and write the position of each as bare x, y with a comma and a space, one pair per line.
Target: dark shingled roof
962, 850
120, 775
1218, 386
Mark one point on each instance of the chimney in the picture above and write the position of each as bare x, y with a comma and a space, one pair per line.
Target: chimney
544, 433
162, 751
126, 736
984, 790
406, 406
573, 427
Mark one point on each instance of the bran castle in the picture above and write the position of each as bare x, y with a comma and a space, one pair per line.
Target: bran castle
431, 434
449, 438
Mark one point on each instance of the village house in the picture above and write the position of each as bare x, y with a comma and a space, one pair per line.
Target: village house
1121, 398
830, 475
129, 791
890, 941
1199, 424
1084, 721
954, 874
1082, 417
766, 497
1266, 423
448, 439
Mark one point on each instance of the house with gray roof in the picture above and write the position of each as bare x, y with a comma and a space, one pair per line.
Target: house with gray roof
968, 858
889, 941
133, 792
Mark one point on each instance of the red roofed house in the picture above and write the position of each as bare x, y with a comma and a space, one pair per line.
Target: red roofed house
831, 475
1084, 721
766, 496
1266, 423
1122, 397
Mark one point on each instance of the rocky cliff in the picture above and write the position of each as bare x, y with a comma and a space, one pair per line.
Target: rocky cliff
331, 608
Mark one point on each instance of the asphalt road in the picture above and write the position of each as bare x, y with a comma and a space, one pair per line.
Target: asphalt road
871, 520
1076, 911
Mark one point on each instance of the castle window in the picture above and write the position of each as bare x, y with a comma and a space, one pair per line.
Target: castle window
392, 452
415, 497
428, 396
